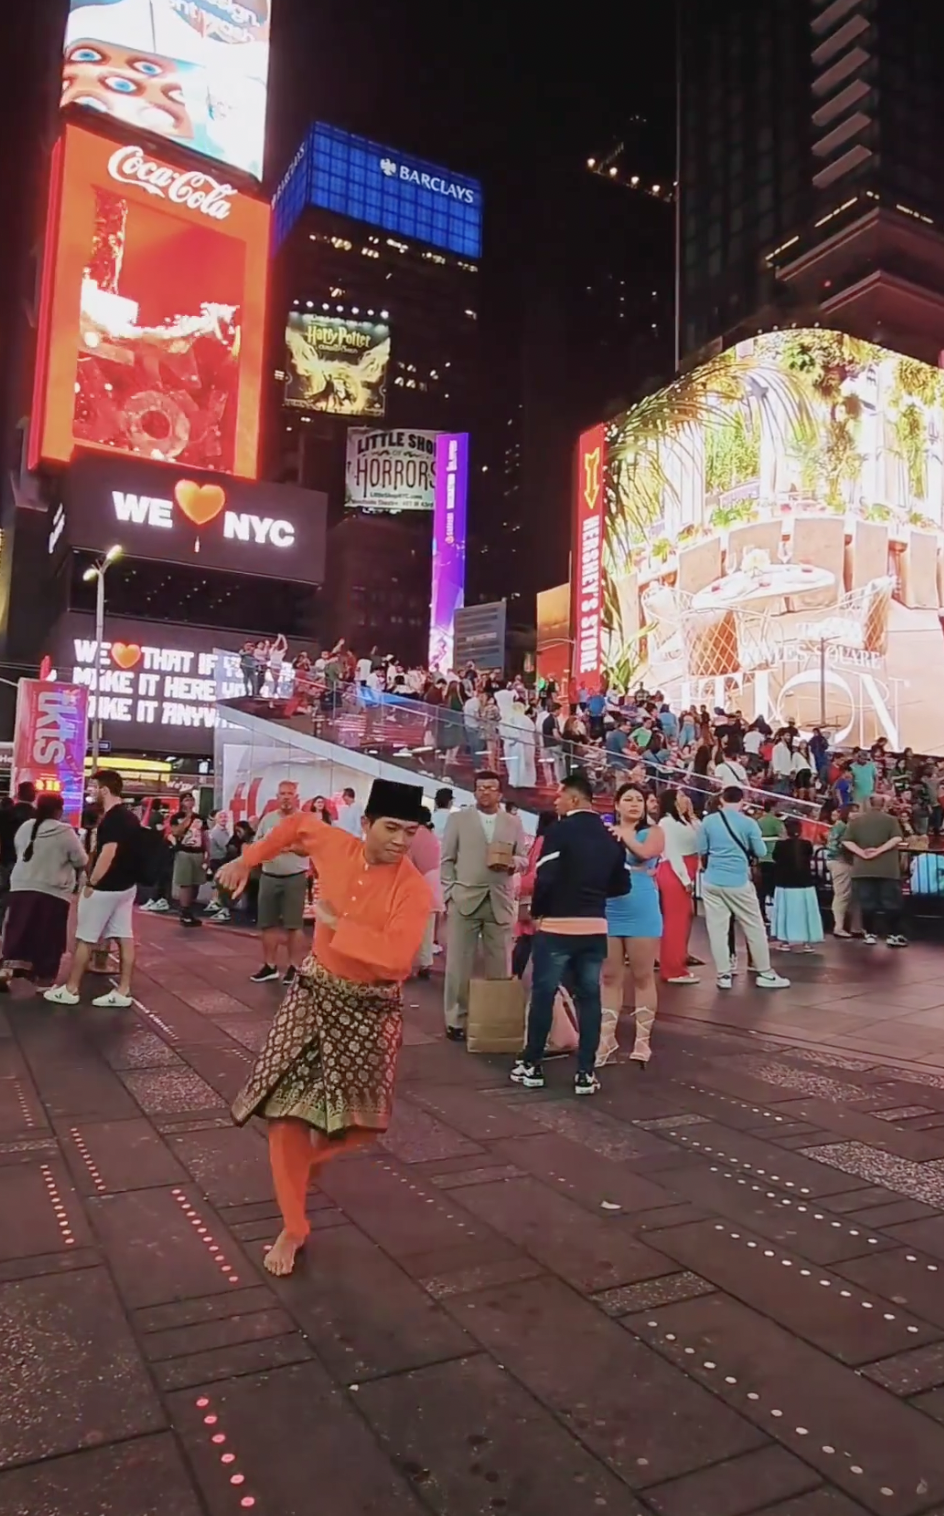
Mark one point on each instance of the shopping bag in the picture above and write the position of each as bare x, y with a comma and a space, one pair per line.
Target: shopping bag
496, 1016
564, 1035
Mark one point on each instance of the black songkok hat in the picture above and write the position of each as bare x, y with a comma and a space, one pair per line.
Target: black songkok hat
401, 802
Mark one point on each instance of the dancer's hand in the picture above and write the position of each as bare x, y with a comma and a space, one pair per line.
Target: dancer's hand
233, 877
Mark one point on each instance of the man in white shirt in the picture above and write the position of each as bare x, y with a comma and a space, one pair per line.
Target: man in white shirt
442, 812
350, 814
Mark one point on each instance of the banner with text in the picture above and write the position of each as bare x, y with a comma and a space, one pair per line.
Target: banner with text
50, 738
449, 545
589, 546
156, 682
390, 471
274, 530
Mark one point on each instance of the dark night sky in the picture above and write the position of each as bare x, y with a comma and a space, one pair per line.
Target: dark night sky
480, 92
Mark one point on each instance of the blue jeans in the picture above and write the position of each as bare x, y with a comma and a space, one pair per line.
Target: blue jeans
553, 955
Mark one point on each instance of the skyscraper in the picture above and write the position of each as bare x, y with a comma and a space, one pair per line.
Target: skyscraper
809, 186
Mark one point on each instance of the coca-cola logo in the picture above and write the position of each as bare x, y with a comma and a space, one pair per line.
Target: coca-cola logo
193, 188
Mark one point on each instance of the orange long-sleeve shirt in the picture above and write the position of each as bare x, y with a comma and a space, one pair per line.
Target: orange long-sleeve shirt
382, 909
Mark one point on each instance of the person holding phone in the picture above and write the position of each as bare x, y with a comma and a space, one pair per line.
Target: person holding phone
730, 845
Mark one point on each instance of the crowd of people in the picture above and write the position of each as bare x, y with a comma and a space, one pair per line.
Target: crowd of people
595, 905
533, 735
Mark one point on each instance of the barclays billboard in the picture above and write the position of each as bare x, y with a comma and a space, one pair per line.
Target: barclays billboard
355, 177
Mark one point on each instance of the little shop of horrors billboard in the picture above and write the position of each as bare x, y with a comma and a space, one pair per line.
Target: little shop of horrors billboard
769, 530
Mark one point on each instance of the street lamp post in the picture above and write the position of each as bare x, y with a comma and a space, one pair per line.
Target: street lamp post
98, 572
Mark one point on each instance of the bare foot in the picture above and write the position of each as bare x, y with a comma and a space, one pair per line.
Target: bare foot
280, 1259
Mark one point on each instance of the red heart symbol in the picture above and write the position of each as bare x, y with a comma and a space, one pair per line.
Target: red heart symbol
126, 654
200, 503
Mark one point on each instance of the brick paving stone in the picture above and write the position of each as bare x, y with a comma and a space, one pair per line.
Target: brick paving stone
364, 1316
807, 1299
592, 1253
928, 1234
402, 1213
466, 1281
142, 1477
587, 1179
473, 1114
921, 1181
296, 1442
794, 1221
904, 1277
892, 1215
853, 1433
160, 1091
651, 1293
139, 1049
414, 1136
183, 1313
232, 1361
737, 1486
824, 1502
182, 1342
470, 1439
230, 1165
105, 1157
849, 1124
625, 1403
158, 1253
83, 1089
910, 1373
458, 1179
795, 1173
40, 1210
70, 1375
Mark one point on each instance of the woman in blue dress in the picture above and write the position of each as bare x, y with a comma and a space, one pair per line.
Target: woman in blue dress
634, 928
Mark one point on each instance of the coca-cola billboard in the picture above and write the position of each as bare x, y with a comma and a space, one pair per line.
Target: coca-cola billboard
152, 312
193, 188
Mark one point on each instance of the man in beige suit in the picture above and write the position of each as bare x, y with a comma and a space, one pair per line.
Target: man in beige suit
482, 850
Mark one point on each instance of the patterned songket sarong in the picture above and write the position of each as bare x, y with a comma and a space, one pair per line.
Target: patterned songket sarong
330, 1057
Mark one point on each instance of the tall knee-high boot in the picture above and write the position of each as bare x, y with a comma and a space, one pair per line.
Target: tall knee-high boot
609, 1047
645, 1019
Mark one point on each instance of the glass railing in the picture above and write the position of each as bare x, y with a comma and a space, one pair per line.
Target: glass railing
444, 746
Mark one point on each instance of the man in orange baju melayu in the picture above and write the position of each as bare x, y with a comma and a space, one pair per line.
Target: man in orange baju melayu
324, 1079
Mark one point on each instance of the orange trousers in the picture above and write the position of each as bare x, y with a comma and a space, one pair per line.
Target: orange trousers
295, 1150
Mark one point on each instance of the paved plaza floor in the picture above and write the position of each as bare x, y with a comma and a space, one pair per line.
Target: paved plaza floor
717, 1289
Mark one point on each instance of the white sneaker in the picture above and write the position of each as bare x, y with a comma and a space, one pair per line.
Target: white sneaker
725, 982
60, 994
222, 915
685, 979
114, 1001
870, 939
772, 981
160, 906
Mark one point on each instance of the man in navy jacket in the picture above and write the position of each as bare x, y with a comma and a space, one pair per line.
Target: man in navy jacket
580, 867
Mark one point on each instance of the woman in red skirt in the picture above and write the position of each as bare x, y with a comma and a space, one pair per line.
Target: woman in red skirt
676, 880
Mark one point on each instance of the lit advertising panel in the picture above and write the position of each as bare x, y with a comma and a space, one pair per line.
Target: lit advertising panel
335, 365
152, 315
158, 682
50, 737
153, 511
355, 177
774, 539
449, 545
194, 71
390, 471
588, 558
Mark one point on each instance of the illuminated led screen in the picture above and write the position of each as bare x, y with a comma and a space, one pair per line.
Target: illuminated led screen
194, 71
361, 179
335, 365
152, 315
769, 538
